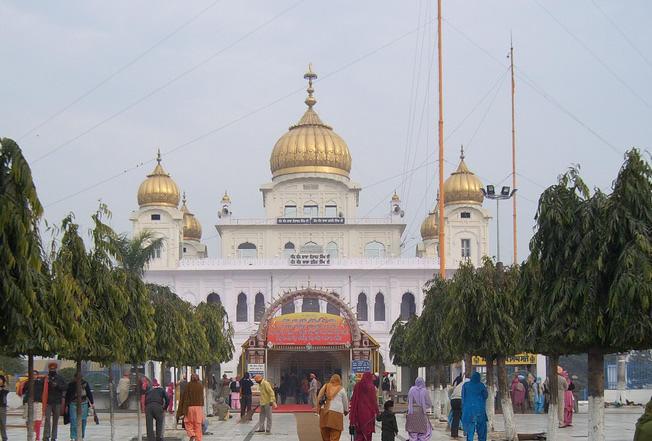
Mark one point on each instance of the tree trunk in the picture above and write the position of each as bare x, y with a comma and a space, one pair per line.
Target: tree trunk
491, 389
437, 386
468, 365
163, 367
506, 404
30, 398
553, 419
622, 377
78, 402
596, 394
139, 401
111, 403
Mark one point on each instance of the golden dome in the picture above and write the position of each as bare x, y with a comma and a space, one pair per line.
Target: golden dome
430, 226
310, 146
463, 186
158, 189
395, 197
226, 197
191, 227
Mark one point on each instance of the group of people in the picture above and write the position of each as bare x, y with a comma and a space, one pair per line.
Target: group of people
51, 393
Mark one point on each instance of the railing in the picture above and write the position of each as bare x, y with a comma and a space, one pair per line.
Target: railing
273, 221
388, 262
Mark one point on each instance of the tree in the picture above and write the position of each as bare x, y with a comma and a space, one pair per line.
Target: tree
483, 314
98, 290
590, 272
133, 255
219, 333
28, 325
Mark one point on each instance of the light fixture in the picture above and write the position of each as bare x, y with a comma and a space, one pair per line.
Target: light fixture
491, 190
505, 191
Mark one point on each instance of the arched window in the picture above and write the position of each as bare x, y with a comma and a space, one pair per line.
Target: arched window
332, 309
408, 307
374, 250
213, 298
259, 307
331, 249
362, 307
289, 249
310, 244
288, 308
241, 308
310, 305
379, 308
247, 250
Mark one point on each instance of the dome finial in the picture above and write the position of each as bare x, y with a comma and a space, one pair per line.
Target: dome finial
184, 198
310, 75
158, 155
462, 152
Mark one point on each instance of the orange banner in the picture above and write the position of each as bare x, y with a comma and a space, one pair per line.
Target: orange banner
314, 328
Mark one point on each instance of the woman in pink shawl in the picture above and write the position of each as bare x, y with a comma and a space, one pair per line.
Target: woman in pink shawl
569, 402
518, 395
171, 395
364, 408
418, 426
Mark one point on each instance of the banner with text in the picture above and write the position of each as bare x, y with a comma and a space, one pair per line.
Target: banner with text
308, 328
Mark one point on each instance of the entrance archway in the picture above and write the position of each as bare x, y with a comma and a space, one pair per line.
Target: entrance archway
315, 342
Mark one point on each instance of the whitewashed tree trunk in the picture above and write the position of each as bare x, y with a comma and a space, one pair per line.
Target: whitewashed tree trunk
491, 409
553, 420
437, 403
508, 417
111, 402
596, 418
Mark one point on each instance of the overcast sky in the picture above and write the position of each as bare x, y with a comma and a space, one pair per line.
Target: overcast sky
90, 91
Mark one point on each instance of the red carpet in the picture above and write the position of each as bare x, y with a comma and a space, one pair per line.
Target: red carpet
292, 408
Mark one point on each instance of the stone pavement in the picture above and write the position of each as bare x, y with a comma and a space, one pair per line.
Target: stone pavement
619, 426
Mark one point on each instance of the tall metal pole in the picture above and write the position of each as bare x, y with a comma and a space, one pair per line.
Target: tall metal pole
442, 234
498, 229
511, 57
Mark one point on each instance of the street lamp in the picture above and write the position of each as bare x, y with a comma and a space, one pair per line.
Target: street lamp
505, 193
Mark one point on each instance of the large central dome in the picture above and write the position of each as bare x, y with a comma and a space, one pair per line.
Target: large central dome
310, 146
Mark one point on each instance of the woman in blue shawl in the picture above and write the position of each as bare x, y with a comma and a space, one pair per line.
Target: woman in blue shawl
474, 413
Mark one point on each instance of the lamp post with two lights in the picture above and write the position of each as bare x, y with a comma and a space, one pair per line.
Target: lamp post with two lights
505, 193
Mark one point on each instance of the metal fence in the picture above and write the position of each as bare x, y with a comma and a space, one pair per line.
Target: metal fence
638, 375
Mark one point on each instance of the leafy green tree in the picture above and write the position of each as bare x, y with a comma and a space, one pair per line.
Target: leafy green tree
484, 319
29, 319
590, 272
219, 333
89, 277
171, 325
12, 365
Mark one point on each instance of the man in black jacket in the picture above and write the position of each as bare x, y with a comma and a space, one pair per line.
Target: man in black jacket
156, 401
56, 387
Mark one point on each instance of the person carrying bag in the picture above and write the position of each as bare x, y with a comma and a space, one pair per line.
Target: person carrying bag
333, 405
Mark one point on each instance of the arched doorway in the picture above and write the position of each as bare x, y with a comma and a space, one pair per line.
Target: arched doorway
293, 343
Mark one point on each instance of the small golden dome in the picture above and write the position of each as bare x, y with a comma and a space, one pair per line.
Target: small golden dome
191, 227
158, 189
226, 198
395, 197
430, 226
463, 186
310, 146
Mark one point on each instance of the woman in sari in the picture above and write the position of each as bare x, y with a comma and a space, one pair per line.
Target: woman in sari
331, 415
569, 402
417, 423
364, 408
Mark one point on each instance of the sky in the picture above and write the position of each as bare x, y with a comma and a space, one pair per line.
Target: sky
91, 90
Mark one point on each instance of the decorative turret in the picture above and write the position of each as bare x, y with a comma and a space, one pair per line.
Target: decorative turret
192, 227
463, 186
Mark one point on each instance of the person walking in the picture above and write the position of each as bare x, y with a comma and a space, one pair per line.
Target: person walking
562, 387
417, 423
267, 401
351, 386
518, 395
474, 413
568, 401
170, 395
364, 408
539, 396
245, 397
56, 386
4, 391
144, 387
156, 403
385, 386
191, 408
312, 391
456, 409
336, 406
71, 405
388, 424
40, 395
393, 390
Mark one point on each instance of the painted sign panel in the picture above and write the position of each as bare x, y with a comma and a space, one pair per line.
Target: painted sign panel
256, 369
359, 367
308, 328
511, 360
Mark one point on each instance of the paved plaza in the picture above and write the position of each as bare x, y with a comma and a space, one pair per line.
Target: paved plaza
619, 425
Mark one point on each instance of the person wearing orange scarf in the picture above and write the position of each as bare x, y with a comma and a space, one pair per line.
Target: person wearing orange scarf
331, 413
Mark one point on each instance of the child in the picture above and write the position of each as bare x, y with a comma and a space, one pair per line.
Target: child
389, 425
